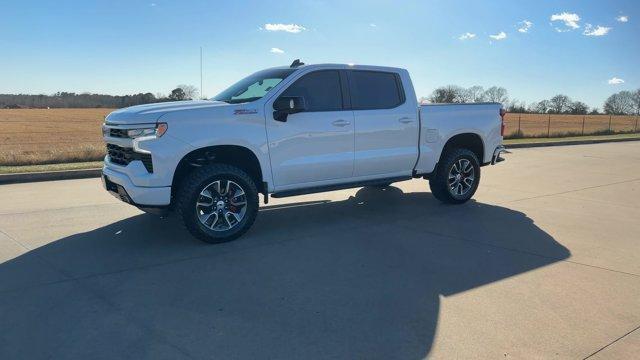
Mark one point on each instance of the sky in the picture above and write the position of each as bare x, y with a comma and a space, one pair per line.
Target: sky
535, 49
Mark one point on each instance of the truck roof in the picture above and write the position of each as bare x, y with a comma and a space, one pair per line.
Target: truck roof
345, 66
450, 104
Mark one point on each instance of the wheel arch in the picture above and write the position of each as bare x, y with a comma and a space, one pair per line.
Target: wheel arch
235, 155
466, 140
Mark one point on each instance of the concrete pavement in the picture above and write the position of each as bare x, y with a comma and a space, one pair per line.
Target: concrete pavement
543, 264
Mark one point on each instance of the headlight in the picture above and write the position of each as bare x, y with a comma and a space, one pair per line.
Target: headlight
158, 131
141, 135
146, 133
135, 133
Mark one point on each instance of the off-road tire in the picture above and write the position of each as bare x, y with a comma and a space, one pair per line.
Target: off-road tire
439, 182
189, 193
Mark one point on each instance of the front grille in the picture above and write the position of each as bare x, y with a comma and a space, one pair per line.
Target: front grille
118, 133
123, 156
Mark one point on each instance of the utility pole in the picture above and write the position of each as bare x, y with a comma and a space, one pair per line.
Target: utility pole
201, 93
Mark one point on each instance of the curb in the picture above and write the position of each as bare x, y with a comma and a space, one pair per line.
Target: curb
49, 176
568, 142
94, 173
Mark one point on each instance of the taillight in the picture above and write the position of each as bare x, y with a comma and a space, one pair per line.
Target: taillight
502, 113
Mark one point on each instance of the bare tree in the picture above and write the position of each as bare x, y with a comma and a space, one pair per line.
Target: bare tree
177, 94
473, 94
496, 94
541, 107
578, 108
190, 91
559, 104
621, 103
636, 101
516, 106
447, 94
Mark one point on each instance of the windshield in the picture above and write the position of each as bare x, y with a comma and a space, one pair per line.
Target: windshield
254, 86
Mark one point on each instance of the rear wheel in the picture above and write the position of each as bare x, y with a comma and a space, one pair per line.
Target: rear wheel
457, 177
218, 203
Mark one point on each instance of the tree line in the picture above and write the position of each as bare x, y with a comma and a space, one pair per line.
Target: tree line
620, 103
87, 100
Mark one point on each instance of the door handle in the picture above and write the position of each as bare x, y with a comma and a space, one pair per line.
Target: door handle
341, 123
405, 120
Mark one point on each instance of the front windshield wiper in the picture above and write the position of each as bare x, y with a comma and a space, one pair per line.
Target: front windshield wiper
240, 101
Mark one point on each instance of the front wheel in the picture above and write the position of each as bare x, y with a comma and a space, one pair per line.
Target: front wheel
218, 203
457, 177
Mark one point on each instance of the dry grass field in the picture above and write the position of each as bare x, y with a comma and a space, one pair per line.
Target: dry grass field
543, 125
49, 136
45, 136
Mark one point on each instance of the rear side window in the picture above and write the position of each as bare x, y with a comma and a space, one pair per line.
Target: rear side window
375, 90
320, 89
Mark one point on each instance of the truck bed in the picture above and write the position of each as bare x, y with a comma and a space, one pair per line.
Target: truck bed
441, 122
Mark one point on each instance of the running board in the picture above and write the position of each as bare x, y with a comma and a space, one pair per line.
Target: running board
325, 188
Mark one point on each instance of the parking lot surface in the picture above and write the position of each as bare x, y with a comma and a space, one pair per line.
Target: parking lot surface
544, 263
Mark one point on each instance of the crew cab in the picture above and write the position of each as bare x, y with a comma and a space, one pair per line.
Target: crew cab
294, 130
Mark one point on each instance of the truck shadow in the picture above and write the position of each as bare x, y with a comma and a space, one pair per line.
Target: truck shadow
359, 278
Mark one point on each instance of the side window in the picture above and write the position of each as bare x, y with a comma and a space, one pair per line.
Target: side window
320, 89
375, 90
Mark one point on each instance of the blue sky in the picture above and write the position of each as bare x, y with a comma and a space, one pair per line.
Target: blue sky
120, 47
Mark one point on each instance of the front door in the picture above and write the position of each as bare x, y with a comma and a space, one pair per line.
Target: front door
317, 144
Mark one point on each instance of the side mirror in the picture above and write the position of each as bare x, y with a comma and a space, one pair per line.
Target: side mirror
286, 105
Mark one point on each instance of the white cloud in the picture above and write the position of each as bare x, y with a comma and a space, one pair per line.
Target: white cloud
596, 31
276, 51
500, 36
466, 36
153, 4
615, 81
525, 26
570, 19
373, 25
290, 28
622, 18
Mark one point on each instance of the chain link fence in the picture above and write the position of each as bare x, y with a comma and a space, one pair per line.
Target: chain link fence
553, 125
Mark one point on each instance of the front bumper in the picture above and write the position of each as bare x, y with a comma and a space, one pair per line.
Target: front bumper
120, 186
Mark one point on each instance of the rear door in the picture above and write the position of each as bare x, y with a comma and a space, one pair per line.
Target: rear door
315, 145
386, 125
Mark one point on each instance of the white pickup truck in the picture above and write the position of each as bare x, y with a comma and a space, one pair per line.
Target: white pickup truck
294, 130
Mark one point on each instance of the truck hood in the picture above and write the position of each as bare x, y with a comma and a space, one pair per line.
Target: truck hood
150, 113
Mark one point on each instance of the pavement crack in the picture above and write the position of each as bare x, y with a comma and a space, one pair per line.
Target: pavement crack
613, 342
58, 209
602, 268
150, 266
532, 253
13, 240
574, 190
